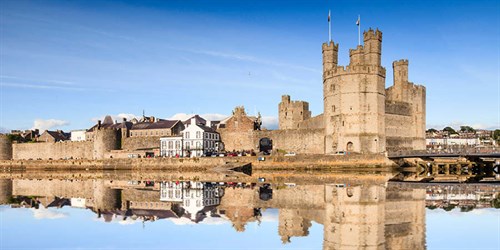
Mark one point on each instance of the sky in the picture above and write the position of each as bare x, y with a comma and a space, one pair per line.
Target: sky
66, 64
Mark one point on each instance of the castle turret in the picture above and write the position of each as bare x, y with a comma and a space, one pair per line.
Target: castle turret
5, 191
400, 73
106, 139
373, 46
5, 148
292, 113
104, 197
330, 55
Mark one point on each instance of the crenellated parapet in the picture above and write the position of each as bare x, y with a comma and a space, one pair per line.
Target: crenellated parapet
355, 69
330, 55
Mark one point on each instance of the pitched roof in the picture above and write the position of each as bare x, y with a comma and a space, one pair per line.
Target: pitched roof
57, 135
162, 124
199, 120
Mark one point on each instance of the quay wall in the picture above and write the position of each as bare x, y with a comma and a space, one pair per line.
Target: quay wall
53, 150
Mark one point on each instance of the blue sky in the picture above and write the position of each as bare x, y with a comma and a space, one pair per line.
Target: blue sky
64, 64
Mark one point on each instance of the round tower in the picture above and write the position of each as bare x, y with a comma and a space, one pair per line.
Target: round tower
5, 191
106, 139
105, 198
5, 148
330, 56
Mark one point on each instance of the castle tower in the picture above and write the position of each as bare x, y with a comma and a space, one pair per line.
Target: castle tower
354, 217
330, 55
292, 113
104, 197
354, 100
106, 139
5, 148
400, 73
5, 191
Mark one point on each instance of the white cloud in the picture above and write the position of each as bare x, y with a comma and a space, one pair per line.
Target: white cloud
4, 130
270, 122
119, 117
210, 117
42, 124
44, 213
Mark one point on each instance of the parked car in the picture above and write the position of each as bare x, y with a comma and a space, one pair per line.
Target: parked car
290, 154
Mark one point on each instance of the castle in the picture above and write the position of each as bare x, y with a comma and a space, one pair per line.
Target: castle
360, 116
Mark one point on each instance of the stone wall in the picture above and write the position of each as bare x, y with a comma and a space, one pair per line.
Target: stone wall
316, 122
297, 140
134, 143
310, 141
5, 148
57, 150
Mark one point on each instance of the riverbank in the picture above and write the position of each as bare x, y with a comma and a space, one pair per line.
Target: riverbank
269, 162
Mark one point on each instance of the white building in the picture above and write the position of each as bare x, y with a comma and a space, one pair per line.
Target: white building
172, 146
196, 140
193, 195
452, 141
78, 135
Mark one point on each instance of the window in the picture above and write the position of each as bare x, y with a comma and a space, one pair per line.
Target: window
170, 144
187, 135
198, 134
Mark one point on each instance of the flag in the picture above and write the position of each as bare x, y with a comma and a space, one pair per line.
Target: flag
357, 22
328, 15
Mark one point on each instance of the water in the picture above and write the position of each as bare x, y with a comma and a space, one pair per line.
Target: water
267, 210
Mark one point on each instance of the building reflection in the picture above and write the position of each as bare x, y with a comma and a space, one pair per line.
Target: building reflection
364, 214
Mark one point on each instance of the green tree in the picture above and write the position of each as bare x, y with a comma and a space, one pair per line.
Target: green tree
431, 130
467, 129
450, 130
496, 134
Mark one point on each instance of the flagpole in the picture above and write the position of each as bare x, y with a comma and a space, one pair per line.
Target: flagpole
359, 30
329, 28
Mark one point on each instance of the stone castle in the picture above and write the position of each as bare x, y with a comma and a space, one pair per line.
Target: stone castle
360, 115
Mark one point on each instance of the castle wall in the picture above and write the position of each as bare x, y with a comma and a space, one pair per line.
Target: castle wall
50, 188
133, 143
316, 122
398, 119
57, 150
310, 141
5, 191
5, 148
305, 141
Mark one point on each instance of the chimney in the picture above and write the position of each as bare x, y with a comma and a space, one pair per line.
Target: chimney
98, 124
209, 124
124, 119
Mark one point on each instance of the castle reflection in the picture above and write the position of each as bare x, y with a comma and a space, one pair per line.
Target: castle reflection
365, 211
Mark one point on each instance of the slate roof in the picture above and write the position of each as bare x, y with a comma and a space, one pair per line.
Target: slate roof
162, 124
58, 135
199, 120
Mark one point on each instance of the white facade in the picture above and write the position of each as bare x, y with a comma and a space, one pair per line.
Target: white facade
193, 195
78, 135
172, 146
452, 141
196, 140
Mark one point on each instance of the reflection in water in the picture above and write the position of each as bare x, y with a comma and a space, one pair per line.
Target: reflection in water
366, 214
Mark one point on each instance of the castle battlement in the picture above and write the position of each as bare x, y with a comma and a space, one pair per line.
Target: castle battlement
330, 46
372, 34
358, 50
355, 69
402, 62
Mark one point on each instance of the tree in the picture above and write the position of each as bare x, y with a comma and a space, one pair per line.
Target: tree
431, 130
467, 129
450, 130
496, 134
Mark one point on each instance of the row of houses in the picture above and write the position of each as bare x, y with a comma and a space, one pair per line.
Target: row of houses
441, 138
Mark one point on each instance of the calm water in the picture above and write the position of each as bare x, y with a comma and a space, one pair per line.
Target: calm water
127, 210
